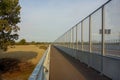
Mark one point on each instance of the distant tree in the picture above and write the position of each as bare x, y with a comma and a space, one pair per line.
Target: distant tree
22, 42
33, 43
9, 17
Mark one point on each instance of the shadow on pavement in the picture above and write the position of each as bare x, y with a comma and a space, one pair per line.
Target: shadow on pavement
88, 72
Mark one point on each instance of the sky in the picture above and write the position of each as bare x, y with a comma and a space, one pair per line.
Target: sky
46, 20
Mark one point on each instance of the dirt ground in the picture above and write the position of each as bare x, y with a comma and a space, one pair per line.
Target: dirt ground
18, 63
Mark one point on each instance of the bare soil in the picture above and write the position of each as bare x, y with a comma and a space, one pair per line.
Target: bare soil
18, 63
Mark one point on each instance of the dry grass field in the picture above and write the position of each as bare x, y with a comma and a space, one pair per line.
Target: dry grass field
18, 63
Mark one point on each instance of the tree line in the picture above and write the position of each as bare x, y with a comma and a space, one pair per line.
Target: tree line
24, 42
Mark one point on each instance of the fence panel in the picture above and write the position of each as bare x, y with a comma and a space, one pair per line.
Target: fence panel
86, 35
112, 28
95, 31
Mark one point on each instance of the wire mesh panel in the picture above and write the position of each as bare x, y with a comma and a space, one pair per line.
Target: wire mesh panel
96, 31
70, 38
65, 36
112, 28
86, 34
74, 37
79, 36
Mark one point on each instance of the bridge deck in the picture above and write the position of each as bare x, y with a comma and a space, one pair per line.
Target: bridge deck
64, 67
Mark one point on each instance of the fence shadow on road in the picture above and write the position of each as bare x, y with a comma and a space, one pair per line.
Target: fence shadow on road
88, 72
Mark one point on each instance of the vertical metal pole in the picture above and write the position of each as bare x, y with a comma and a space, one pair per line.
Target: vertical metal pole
58, 44
66, 39
69, 38
82, 35
119, 40
60, 41
73, 37
76, 38
102, 37
76, 56
63, 40
90, 42
103, 32
119, 37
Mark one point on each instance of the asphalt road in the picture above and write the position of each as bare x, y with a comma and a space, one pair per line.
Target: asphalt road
64, 67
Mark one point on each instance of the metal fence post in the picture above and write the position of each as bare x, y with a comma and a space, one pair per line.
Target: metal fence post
73, 37
69, 38
82, 35
103, 39
90, 42
63, 40
103, 31
76, 38
66, 39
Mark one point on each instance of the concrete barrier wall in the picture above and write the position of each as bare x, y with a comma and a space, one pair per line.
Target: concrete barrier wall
107, 65
111, 67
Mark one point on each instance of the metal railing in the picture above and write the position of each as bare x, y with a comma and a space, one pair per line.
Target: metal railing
41, 71
95, 40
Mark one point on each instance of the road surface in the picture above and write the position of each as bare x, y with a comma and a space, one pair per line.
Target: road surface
64, 67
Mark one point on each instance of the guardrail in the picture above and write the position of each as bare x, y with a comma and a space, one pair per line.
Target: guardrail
95, 40
41, 71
